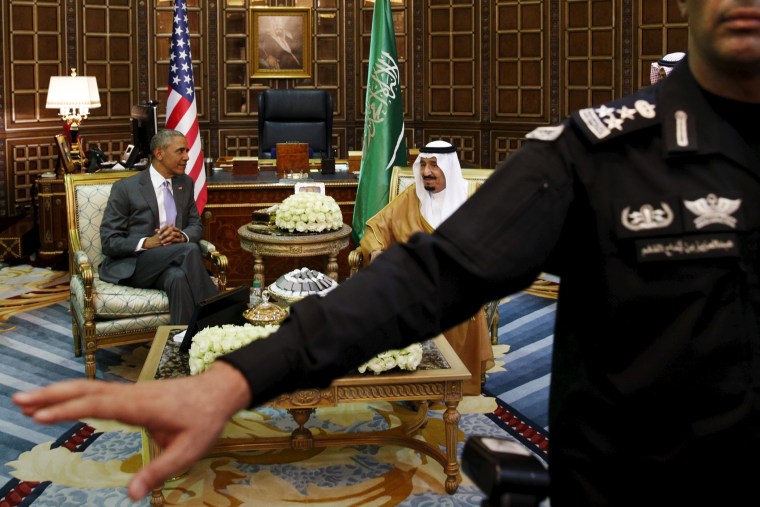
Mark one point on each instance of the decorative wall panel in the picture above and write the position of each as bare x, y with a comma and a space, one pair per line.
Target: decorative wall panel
520, 61
237, 93
451, 71
505, 143
480, 73
31, 157
34, 43
329, 53
662, 30
239, 142
35, 46
591, 53
109, 53
468, 143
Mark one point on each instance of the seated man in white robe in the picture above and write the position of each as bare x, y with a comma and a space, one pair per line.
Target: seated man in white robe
438, 191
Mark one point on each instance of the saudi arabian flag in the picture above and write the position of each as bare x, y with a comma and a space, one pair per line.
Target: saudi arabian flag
384, 145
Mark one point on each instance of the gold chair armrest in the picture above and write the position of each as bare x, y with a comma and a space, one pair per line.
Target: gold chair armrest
218, 260
355, 261
82, 267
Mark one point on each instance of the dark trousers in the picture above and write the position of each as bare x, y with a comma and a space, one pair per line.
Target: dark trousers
178, 270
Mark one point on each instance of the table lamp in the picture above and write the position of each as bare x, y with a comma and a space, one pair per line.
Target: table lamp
73, 96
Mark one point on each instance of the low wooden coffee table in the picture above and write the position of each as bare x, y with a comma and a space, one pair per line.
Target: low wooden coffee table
422, 386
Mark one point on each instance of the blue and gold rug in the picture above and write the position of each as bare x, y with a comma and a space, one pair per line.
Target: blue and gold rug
90, 463
26, 287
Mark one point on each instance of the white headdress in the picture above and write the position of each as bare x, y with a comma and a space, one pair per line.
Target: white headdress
455, 192
664, 65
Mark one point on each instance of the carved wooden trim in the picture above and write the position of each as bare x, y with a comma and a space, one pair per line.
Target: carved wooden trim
421, 391
418, 72
4, 23
142, 51
554, 62
309, 397
212, 87
627, 56
350, 91
71, 35
485, 85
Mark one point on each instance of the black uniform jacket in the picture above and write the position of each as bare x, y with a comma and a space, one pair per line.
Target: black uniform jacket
648, 210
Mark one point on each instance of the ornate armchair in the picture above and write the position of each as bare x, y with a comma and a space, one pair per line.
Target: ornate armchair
401, 178
105, 314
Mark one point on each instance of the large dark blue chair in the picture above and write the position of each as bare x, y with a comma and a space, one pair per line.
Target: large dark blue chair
304, 116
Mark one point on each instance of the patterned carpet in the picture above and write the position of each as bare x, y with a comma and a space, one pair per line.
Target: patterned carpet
25, 288
89, 463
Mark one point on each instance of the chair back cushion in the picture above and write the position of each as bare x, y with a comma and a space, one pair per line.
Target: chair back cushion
304, 116
86, 200
403, 177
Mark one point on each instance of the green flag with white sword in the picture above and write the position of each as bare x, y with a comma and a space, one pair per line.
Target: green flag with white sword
384, 144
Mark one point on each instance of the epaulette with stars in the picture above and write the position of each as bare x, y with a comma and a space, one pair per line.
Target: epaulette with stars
614, 119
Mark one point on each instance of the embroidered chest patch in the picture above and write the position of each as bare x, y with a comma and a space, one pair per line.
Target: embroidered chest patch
664, 215
712, 210
694, 246
647, 217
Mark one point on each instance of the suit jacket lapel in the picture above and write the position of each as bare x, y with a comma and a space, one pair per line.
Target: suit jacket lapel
180, 195
149, 194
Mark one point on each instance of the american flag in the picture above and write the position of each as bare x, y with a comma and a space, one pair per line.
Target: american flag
181, 112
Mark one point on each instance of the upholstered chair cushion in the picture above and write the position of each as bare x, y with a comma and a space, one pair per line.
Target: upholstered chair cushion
117, 301
91, 204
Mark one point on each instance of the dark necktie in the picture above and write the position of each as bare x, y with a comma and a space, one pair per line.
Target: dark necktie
169, 207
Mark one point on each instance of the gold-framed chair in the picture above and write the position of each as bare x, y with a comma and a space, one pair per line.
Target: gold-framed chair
105, 314
403, 177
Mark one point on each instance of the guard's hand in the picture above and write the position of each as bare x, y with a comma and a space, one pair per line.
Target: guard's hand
161, 407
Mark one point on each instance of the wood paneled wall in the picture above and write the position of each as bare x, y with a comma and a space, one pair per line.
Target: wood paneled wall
480, 73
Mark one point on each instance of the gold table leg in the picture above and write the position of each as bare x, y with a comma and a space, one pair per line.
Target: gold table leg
157, 497
451, 469
332, 267
258, 269
301, 438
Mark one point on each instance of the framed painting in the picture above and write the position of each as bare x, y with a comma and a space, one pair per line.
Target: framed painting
280, 42
65, 161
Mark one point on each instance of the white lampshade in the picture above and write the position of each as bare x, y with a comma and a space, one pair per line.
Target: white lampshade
67, 92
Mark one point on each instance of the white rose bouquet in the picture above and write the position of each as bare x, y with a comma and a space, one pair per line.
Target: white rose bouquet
405, 359
309, 212
215, 341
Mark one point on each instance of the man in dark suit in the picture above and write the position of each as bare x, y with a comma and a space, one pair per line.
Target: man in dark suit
145, 245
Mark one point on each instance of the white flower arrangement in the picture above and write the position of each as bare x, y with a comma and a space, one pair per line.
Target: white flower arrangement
215, 341
405, 359
309, 212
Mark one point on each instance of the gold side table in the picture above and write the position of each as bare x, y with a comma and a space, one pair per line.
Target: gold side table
261, 242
